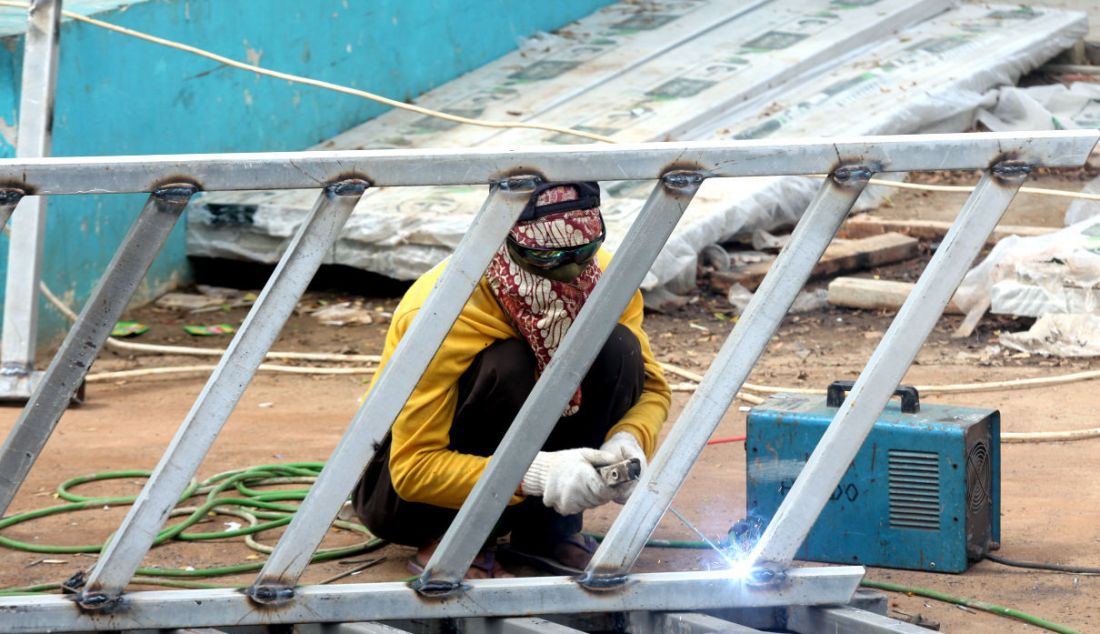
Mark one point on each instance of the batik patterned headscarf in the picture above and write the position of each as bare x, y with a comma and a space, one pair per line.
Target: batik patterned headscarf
543, 309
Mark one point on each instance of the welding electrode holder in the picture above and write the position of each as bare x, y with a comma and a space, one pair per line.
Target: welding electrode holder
618, 473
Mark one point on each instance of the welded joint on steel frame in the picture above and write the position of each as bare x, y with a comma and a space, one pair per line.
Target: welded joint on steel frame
524, 181
10, 196
1009, 170
853, 175
680, 179
172, 197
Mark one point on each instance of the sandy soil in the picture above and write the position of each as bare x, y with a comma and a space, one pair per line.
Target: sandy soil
1051, 499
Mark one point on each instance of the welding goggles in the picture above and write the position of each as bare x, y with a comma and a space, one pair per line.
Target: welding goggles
588, 197
553, 258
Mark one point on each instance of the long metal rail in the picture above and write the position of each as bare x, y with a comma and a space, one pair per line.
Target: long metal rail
768, 579
398, 168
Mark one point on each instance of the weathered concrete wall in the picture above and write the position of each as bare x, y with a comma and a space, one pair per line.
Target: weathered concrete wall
118, 95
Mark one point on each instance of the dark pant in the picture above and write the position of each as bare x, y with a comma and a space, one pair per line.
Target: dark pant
490, 394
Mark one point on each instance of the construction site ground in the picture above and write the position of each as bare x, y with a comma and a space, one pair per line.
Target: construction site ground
1050, 495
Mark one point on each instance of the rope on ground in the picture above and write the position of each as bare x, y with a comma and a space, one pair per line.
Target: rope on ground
189, 369
1006, 436
969, 188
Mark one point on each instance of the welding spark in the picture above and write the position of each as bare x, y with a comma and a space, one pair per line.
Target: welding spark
738, 563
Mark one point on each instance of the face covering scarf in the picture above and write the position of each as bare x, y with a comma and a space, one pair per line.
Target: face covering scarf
543, 309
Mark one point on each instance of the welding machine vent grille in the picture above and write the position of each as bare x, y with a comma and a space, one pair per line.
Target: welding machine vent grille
914, 489
978, 476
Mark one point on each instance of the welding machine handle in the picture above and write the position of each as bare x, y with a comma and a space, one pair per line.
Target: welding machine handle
910, 399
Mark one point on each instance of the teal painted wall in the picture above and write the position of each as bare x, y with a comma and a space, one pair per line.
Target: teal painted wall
119, 95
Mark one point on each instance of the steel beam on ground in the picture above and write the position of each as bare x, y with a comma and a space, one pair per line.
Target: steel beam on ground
386, 168
391, 389
542, 409
515, 625
887, 366
750, 336
35, 135
685, 623
66, 371
816, 619
667, 591
313, 240
360, 628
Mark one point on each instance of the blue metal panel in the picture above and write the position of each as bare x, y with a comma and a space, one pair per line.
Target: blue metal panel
902, 503
118, 95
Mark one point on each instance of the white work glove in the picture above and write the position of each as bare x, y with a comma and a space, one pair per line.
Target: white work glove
624, 446
567, 480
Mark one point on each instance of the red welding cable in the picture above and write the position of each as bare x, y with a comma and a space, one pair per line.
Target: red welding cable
719, 441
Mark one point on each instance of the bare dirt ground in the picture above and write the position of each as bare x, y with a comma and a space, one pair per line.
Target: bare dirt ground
1050, 495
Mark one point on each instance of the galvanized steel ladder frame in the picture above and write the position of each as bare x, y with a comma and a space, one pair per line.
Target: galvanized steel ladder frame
768, 579
18, 344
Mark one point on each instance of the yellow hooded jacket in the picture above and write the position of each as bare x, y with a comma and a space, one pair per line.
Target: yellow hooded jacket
422, 467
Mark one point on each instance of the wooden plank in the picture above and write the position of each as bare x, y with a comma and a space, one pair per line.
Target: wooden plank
866, 226
842, 256
869, 294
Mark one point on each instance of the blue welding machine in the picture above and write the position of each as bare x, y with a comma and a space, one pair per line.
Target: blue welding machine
922, 493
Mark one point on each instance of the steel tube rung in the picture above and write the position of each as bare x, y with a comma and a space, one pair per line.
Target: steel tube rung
66, 372
728, 371
123, 554
543, 407
40, 58
887, 366
394, 601
392, 388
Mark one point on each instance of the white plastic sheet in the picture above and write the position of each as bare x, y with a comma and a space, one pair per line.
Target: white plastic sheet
1058, 273
1059, 336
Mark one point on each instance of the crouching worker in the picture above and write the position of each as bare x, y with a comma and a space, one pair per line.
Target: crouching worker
488, 364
